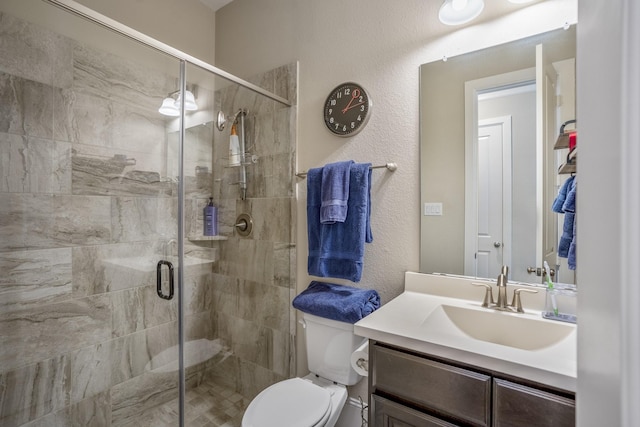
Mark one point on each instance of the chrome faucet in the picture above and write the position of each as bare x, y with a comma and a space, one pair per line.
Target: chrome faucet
501, 304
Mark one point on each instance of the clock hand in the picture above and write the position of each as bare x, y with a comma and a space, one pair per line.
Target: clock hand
354, 95
350, 107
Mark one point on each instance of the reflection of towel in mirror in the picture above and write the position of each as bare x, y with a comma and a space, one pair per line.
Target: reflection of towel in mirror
571, 259
337, 302
337, 250
562, 195
567, 240
335, 192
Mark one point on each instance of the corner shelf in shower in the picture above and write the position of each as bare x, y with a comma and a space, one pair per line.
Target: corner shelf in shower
195, 238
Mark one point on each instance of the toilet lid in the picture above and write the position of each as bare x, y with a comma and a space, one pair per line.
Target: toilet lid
292, 403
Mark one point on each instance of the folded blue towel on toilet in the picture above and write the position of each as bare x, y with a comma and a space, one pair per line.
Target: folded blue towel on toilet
337, 302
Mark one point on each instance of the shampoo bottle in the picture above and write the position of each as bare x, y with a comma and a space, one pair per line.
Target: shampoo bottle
210, 219
234, 147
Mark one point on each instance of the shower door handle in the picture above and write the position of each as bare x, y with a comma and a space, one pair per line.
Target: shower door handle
159, 279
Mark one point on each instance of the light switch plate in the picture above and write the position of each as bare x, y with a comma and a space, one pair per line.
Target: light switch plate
433, 209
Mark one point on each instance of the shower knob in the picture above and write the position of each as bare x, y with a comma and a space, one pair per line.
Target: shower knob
497, 244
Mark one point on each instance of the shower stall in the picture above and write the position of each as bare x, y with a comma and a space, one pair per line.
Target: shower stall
115, 308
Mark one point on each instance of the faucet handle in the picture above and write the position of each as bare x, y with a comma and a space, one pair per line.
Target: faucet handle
516, 302
488, 295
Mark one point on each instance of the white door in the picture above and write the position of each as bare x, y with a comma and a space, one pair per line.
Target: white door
493, 196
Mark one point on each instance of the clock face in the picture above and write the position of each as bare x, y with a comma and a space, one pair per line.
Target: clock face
347, 109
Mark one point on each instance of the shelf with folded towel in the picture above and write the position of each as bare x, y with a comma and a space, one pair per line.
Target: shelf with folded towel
391, 166
565, 136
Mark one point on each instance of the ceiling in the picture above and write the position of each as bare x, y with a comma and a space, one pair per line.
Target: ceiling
215, 4
492, 9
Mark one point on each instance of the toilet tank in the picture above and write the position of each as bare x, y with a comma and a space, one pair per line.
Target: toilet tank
329, 347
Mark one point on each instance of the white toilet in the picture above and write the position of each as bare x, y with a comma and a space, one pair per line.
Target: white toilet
317, 399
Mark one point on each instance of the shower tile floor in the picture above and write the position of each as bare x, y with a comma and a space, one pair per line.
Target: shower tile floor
208, 405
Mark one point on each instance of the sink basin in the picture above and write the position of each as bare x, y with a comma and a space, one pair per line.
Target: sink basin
508, 329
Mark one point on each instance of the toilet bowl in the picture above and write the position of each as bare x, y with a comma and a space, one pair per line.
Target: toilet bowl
317, 399
298, 402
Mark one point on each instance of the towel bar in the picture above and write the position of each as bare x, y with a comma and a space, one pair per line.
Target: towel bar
392, 166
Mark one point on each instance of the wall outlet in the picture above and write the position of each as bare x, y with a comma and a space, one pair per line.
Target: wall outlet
432, 209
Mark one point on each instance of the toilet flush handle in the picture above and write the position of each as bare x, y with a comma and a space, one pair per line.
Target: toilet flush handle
303, 323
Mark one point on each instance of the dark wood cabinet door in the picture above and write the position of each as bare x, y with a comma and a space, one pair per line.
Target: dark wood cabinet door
457, 393
387, 413
516, 405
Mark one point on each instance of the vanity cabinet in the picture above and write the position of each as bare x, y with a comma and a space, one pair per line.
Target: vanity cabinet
415, 390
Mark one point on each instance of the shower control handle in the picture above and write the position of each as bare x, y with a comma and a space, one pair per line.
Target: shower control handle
159, 291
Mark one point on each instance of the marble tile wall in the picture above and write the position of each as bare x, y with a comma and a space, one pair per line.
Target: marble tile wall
255, 275
89, 202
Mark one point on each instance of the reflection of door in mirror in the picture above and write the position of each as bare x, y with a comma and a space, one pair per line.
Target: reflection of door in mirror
500, 176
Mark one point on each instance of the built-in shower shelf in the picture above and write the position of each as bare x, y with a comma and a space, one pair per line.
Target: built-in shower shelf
195, 238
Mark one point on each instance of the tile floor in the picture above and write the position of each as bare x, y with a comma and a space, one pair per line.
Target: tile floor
208, 405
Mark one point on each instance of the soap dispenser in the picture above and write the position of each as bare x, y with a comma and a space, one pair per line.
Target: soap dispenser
210, 219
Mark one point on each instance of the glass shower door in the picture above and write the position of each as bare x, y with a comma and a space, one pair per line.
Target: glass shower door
89, 207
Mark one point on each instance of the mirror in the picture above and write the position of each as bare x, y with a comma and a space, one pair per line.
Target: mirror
495, 94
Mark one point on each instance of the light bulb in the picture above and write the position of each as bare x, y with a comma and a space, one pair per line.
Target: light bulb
459, 5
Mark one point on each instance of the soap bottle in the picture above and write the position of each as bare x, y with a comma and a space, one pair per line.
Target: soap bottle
210, 219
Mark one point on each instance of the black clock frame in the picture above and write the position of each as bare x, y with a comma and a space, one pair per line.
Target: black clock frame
347, 109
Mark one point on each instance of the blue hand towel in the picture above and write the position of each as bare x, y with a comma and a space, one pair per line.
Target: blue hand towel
562, 195
335, 192
337, 302
569, 204
337, 250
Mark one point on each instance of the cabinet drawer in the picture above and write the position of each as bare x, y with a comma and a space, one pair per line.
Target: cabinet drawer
387, 413
516, 405
448, 390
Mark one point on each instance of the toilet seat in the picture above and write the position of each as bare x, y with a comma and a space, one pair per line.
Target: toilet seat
293, 403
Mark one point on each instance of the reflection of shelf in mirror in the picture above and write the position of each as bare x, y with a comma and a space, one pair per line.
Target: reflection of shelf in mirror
206, 238
563, 140
568, 168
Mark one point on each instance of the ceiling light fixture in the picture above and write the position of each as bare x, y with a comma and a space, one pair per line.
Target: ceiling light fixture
171, 107
458, 12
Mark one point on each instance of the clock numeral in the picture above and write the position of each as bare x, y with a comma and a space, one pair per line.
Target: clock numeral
347, 91
344, 128
353, 125
337, 125
339, 95
359, 118
331, 120
333, 102
362, 108
330, 111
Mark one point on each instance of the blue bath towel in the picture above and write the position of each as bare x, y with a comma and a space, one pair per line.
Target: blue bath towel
335, 192
571, 259
562, 195
337, 250
567, 235
337, 302
569, 226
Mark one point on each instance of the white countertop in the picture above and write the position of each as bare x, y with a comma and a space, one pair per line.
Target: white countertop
405, 322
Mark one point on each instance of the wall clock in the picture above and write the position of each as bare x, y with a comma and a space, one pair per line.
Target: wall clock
347, 109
